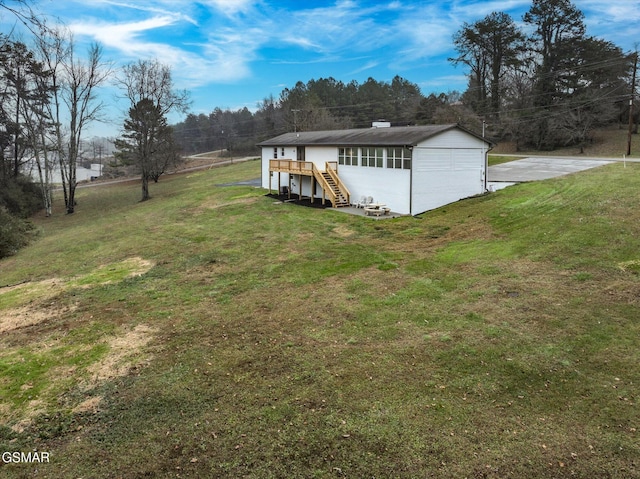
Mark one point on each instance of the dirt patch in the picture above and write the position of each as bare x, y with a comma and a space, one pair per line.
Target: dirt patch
123, 350
342, 231
91, 405
33, 409
29, 302
213, 205
25, 316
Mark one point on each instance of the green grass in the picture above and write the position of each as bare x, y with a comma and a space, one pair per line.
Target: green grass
495, 337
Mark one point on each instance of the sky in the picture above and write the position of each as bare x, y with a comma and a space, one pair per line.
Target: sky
233, 54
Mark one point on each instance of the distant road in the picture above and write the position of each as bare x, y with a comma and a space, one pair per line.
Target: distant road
533, 168
569, 157
208, 166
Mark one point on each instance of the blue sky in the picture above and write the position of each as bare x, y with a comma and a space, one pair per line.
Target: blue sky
235, 53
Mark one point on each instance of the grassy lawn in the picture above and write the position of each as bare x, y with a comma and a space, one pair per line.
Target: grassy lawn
608, 142
210, 332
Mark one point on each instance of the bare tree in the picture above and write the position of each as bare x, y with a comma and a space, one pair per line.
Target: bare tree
38, 128
82, 77
74, 83
151, 80
22, 11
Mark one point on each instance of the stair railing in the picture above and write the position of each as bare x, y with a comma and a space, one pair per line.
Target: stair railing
333, 172
317, 174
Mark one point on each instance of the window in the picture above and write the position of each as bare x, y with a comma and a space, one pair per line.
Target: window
275, 153
399, 158
348, 156
372, 157
282, 152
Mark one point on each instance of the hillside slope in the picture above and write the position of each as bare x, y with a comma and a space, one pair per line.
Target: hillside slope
211, 332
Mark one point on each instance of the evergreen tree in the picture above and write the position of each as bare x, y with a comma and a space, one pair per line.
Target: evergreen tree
147, 142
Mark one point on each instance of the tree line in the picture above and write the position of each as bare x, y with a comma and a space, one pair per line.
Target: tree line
322, 104
542, 90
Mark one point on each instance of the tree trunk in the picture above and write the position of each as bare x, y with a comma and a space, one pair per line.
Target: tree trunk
71, 202
145, 188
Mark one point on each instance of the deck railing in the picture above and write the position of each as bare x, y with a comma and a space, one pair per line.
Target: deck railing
326, 187
308, 168
332, 169
290, 166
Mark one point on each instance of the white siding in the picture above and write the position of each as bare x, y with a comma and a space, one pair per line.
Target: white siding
453, 139
442, 176
445, 169
319, 155
388, 186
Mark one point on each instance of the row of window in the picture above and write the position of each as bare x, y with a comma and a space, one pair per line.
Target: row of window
399, 158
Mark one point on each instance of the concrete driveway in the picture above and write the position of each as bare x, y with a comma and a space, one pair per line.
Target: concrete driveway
541, 168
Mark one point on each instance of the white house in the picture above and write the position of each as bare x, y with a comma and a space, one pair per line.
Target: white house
411, 169
82, 174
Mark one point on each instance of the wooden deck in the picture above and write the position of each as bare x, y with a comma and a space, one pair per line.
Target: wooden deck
294, 167
332, 186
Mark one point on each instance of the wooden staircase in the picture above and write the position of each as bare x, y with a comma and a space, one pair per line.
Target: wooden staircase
338, 198
332, 186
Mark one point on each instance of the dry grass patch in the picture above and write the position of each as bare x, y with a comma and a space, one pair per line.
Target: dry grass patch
22, 317
124, 352
91, 405
29, 303
632, 266
343, 231
40, 364
216, 203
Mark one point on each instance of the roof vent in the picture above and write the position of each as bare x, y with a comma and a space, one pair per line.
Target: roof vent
381, 124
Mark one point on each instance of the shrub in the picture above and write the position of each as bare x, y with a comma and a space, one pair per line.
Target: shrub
20, 196
19, 199
14, 233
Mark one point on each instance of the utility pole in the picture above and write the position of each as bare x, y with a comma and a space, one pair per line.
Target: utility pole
633, 92
295, 120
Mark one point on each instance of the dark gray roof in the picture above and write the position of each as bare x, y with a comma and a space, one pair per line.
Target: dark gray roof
391, 136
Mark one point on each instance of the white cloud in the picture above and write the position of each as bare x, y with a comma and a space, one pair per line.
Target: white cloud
124, 37
450, 82
365, 67
618, 12
232, 7
222, 57
218, 41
